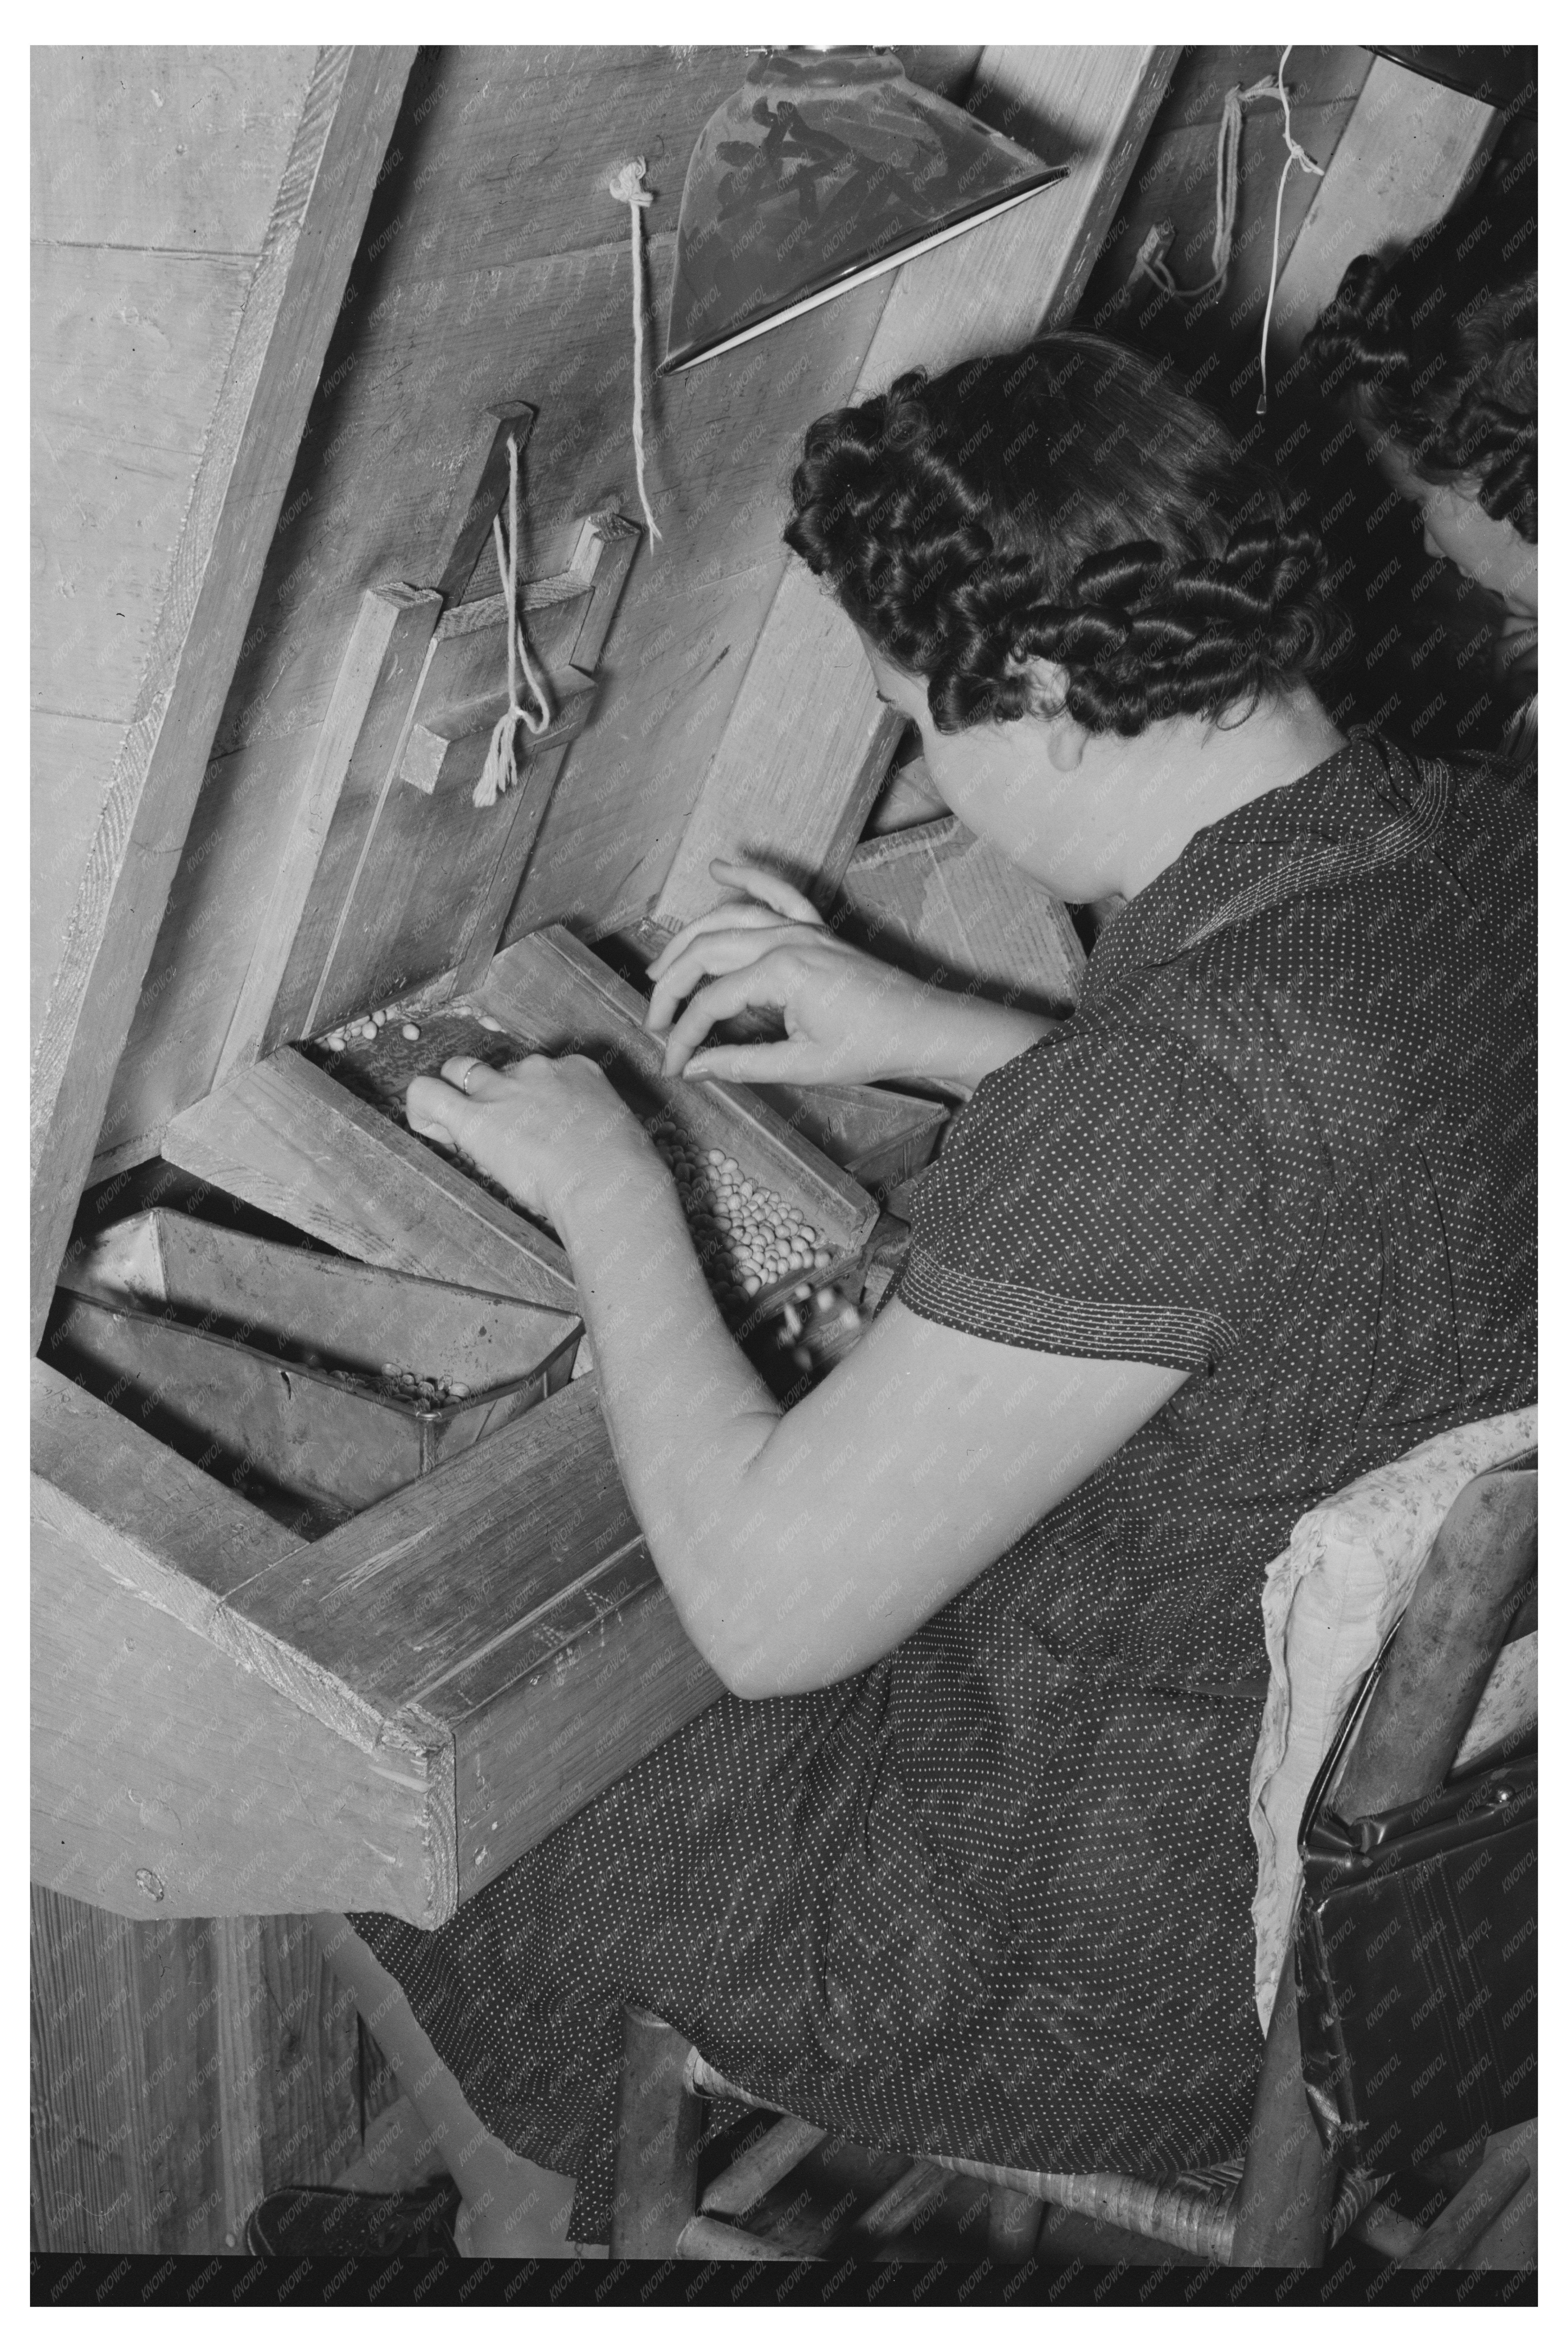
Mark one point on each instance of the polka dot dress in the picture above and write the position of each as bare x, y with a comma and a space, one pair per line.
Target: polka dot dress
991, 1898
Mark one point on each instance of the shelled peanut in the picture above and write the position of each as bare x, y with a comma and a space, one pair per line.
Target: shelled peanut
761, 1239
429, 1392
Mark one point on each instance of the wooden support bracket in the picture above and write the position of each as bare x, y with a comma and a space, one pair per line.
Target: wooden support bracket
459, 697
387, 887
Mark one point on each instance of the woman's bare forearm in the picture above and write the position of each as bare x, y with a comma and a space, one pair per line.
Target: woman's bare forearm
962, 1039
686, 1411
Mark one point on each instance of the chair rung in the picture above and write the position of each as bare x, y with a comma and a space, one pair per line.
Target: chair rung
707, 2240
762, 2167
1199, 2219
896, 2207
705, 2081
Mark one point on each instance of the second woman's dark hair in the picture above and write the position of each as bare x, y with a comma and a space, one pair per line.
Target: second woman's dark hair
1436, 346
1063, 501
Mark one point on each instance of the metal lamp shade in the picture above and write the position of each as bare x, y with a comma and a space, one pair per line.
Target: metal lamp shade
817, 174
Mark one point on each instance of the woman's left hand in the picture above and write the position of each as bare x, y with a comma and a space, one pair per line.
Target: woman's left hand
541, 1128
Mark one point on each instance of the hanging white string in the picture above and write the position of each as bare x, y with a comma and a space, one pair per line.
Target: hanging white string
500, 770
1294, 153
627, 188
1151, 263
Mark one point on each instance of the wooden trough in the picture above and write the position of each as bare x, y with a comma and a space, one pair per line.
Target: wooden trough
294, 1375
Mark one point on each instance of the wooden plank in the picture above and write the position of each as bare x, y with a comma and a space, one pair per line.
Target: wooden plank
492, 904
185, 1542
130, 355
487, 499
286, 1138
349, 758
260, 409
180, 150
803, 756
344, 864
405, 892
613, 821
495, 1540
182, 1765
542, 1746
1407, 154
306, 2036
431, 865
71, 762
181, 2068
874, 1133
92, 2186
943, 903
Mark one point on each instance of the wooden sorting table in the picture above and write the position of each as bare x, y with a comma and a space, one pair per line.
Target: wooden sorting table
455, 1669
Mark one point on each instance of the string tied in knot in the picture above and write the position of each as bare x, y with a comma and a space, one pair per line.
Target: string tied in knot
627, 188
1294, 153
1151, 262
500, 771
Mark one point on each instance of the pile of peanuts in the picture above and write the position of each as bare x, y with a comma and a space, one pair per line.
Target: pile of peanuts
368, 1030
761, 1239
428, 1391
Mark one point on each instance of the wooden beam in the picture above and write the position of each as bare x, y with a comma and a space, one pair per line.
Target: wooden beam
287, 1138
1409, 153
347, 118
803, 752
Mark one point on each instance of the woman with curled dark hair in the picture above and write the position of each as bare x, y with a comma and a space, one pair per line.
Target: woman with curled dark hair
1434, 351
961, 1865
1022, 510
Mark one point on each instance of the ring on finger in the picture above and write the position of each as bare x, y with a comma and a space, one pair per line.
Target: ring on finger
470, 1063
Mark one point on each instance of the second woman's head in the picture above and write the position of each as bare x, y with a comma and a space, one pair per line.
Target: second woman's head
1432, 351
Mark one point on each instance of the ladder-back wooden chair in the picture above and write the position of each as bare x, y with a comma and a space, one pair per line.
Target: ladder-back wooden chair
1282, 2205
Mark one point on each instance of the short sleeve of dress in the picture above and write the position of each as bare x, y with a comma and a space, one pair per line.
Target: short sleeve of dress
1106, 1193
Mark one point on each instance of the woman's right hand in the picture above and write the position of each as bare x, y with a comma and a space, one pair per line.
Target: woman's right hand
848, 1017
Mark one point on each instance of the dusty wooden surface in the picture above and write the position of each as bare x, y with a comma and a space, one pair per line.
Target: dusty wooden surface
250, 332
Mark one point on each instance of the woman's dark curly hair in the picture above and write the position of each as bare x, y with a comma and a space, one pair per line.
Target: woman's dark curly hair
1063, 501
1435, 347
